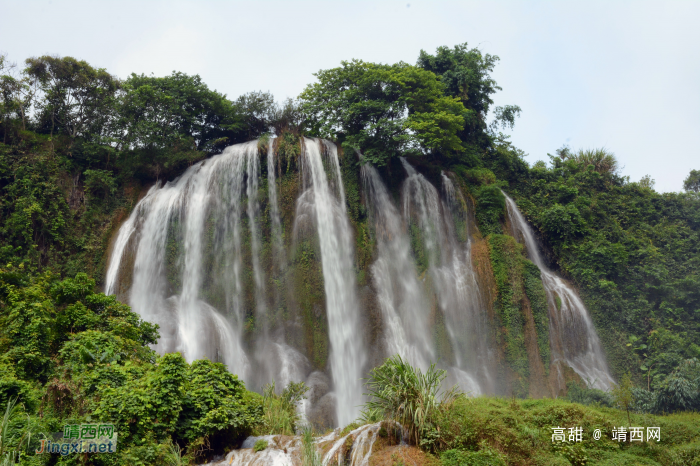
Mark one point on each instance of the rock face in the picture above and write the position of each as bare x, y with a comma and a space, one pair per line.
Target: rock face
297, 263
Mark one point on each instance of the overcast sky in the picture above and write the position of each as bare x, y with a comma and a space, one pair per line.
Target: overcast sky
623, 75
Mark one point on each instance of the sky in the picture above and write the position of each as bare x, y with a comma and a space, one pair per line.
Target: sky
615, 74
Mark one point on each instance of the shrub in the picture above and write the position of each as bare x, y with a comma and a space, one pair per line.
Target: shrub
280, 411
405, 395
490, 208
260, 445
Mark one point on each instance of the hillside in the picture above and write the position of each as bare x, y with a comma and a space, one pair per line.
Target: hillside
411, 228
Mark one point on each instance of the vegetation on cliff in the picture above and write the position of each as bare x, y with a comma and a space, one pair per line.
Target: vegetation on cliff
79, 146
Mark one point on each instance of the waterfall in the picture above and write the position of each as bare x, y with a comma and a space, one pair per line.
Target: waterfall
399, 293
461, 297
347, 355
188, 273
352, 449
573, 338
449, 264
252, 177
124, 239
274, 205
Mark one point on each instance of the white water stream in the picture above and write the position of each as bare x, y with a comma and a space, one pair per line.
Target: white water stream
347, 355
450, 268
572, 335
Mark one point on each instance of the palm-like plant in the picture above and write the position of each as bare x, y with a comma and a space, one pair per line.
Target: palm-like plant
12, 438
601, 159
408, 396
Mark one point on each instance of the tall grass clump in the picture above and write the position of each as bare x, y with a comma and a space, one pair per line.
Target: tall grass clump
280, 414
309, 454
13, 434
404, 394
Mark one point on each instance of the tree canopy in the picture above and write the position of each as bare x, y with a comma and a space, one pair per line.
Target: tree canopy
384, 110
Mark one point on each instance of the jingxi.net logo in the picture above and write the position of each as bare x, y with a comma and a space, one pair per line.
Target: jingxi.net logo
81, 438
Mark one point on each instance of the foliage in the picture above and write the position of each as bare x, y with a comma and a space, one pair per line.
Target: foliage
309, 454
520, 432
77, 99
490, 208
577, 393
384, 110
260, 445
90, 356
601, 160
14, 433
408, 396
280, 414
692, 182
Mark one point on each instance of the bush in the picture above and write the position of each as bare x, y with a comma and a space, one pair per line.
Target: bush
577, 393
562, 222
280, 411
405, 395
490, 208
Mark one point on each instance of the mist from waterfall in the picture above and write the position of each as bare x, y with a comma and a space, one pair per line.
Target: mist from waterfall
450, 268
400, 296
573, 339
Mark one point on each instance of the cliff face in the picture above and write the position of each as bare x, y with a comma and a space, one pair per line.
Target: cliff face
289, 260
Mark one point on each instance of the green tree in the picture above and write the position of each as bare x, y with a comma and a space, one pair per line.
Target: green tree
466, 74
16, 95
77, 99
692, 182
166, 124
384, 110
623, 395
175, 110
258, 111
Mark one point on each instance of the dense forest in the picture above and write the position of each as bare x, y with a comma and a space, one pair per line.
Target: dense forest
80, 147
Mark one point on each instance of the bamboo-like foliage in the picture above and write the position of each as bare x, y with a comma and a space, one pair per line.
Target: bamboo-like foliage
280, 414
408, 396
309, 453
11, 437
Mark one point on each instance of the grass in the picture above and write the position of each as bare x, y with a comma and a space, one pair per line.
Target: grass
280, 414
519, 432
309, 453
260, 445
14, 433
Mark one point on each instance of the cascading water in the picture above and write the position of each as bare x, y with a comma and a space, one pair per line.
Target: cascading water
573, 339
200, 257
399, 293
274, 205
351, 449
347, 353
188, 247
449, 263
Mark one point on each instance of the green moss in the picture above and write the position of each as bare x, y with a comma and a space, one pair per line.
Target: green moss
507, 263
534, 289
